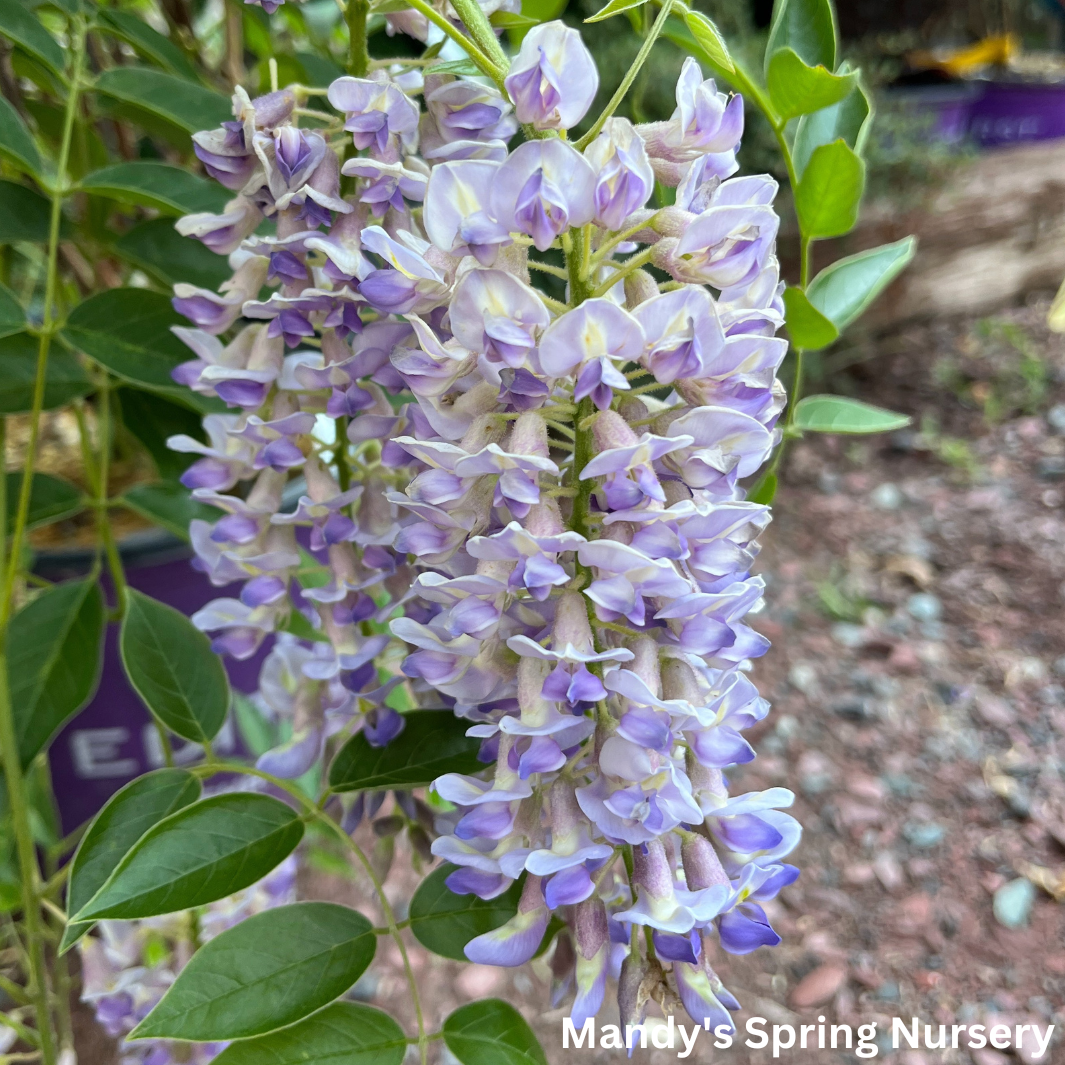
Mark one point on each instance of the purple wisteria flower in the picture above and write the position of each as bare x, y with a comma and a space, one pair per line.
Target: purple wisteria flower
554, 80
445, 485
624, 178
543, 188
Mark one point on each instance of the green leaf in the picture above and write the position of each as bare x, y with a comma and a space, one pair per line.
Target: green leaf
147, 42
319, 71
843, 291
258, 733
345, 1033
127, 330
849, 120
50, 499
189, 107
16, 144
837, 414
764, 491
129, 813
539, 11
173, 669
157, 247
444, 922
456, 66
797, 89
53, 650
709, 40
808, 27
809, 328
26, 215
153, 419
66, 379
830, 191
267, 972
614, 7
511, 20
678, 32
12, 316
200, 854
433, 742
159, 185
69, 7
491, 1032
20, 26
168, 505
299, 626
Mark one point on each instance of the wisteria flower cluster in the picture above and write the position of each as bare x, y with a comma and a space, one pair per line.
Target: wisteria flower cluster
531, 494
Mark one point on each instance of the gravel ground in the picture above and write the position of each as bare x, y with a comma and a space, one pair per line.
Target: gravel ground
915, 602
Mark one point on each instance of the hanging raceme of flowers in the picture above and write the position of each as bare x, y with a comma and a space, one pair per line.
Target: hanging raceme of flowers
521, 470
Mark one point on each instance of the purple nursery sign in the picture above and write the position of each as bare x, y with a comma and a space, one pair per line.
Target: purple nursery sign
113, 739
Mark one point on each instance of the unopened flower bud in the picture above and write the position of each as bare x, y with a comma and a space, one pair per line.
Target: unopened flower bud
640, 286
591, 927
529, 436
611, 430
702, 866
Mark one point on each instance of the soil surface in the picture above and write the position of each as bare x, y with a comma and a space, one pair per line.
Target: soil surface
915, 598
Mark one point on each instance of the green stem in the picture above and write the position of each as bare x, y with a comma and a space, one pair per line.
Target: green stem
630, 77
103, 524
804, 259
234, 28
3, 491
27, 1035
340, 454
628, 268
48, 323
356, 14
96, 473
14, 992
615, 239
483, 63
29, 872
474, 19
583, 448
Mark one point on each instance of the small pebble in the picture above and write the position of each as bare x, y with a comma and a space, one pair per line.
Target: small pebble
1013, 903
1056, 418
923, 834
853, 710
819, 986
987, 1056
900, 784
365, 988
848, 635
995, 710
888, 871
888, 497
1051, 467
815, 783
803, 676
829, 483
787, 726
924, 607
